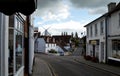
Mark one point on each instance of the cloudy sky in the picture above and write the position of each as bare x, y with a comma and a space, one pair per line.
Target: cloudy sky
68, 15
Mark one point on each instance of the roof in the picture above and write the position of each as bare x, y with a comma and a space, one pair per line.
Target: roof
104, 15
26, 7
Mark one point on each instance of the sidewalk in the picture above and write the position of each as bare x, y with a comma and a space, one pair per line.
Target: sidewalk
105, 67
41, 68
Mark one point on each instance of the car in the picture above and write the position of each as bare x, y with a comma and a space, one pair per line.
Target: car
61, 53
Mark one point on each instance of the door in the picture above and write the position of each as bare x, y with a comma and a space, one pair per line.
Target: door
102, 51
93, 50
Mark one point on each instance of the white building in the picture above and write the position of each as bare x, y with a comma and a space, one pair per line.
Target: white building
12, 35
113, 32
40, 45
96, 38
103, 36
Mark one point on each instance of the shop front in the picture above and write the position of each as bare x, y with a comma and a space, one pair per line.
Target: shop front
16, 53
114, 53
94, 50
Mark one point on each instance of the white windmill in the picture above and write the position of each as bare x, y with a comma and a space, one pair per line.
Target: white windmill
46, 33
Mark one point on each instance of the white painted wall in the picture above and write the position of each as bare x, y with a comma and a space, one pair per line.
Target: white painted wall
50, 46
99, 36
114, 27
3, 45
40, 45
31, 48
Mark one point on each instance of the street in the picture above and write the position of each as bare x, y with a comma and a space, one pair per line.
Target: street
66, 66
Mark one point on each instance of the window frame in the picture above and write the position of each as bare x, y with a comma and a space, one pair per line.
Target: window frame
17, 20
119, 19
102, 27
96, 29
91, 31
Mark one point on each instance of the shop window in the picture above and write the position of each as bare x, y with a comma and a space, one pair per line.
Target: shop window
116, 48
11, 52
15, 45
19, 49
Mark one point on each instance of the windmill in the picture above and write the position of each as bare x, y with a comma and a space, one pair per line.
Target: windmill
46, 33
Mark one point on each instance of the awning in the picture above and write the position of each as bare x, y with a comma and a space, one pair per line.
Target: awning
25, 7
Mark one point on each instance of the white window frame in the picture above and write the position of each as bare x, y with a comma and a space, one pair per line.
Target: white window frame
96, 29
119, 19
102, 27
14, 46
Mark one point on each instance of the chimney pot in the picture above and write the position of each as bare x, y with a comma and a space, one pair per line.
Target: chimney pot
111, 6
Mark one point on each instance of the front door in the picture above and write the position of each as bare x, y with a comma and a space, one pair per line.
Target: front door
102, 51
93, 50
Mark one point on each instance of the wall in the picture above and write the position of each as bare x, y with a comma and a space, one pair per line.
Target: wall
114, 27
50, 46
3, 45
41, 45
99, 36
31, 48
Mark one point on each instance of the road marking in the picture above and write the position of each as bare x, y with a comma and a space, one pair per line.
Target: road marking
52, 70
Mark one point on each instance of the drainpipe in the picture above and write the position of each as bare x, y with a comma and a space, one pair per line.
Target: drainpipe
106, 39
28, 24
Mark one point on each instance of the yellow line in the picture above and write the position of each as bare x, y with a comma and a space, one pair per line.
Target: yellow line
52, 70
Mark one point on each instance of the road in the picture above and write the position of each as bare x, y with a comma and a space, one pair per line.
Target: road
66, 66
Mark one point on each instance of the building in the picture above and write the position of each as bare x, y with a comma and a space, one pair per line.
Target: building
16, 44
103, 36
14, 54
113, 34
63, 41
95, 39
40, 45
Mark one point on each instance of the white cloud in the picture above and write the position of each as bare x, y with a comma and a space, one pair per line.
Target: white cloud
94, 6
52, 10
70, 26
61, 13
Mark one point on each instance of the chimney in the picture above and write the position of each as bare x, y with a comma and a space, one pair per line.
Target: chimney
111, 6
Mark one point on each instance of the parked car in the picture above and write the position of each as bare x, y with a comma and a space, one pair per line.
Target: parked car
61, 53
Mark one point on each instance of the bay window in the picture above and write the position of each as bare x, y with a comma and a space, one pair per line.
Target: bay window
16, 34
116, 48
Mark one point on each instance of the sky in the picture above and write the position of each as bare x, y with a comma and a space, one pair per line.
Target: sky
68, 15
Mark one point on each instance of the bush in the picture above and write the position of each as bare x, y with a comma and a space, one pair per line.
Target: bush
95, 59
87, 57
52, 51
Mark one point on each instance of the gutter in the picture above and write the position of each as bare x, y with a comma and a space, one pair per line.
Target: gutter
106, 38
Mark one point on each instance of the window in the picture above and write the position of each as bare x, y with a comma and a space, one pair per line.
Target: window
119, 19
116, 48
96, 31
91, 31
15, 44
87, 31
101, 27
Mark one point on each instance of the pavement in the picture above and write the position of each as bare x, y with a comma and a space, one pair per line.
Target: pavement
101, 66
42, 68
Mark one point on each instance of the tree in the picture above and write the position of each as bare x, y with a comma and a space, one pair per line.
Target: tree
72, 34
76, 35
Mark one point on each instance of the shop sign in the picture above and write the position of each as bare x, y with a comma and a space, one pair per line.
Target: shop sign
94, 42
